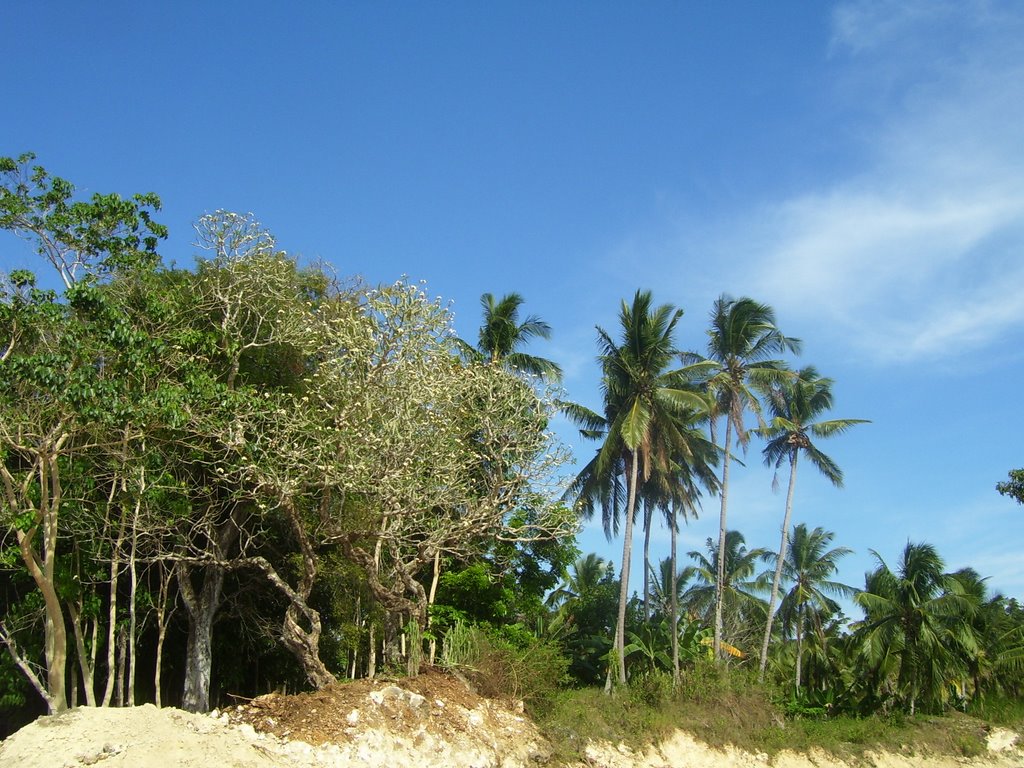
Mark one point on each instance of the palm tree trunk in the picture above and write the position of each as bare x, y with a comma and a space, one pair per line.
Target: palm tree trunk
783, 547
674, 584
648, 520
799, 645
720, 576
627, 554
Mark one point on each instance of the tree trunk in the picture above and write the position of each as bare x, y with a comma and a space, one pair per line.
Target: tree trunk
371, 659
87, 669
21, 663
305, 645
430, 602
720, 576
674, 585
648, 520
783, 550
627, 553
134, 589
201, 608
353, 666
41, 564
122, 655
371, 655
115, 571
55, 635
162, 616
302, 642
799, 645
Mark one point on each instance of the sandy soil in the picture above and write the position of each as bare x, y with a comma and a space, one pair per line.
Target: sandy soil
433, 720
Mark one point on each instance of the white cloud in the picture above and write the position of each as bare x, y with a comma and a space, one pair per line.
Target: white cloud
921, 253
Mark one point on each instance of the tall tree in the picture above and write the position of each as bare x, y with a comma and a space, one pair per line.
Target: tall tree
55, 353
742, 343
582, 576
794, 403
809, 566
917, 628
502, 336
743, 610
642, 400
677, 493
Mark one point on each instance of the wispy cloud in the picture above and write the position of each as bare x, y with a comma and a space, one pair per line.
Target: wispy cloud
921, 252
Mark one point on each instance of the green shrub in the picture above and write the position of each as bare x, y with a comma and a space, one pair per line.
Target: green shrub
507, 663
652, 688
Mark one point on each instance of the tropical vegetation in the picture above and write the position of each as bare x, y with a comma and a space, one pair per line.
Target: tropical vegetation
250, 475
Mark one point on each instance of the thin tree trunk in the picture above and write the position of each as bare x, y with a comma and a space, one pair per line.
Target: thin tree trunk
783, 550
430, 603
720, 576
19, 661
134, 588
83, 657
648, 521
122, 655
627, 553
115, 571
162, 617
371, 660
371, 656
799, 645
355, 650
674, 585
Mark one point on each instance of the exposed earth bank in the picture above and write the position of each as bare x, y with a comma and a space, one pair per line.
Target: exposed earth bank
432, 720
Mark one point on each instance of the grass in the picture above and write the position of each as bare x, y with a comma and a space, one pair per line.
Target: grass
732, 709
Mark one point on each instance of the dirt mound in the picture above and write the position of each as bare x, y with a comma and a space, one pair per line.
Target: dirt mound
431, 720
432, 702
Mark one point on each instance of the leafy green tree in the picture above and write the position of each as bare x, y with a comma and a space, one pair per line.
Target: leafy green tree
502, 335
809, 567
995, 666
794, 403
642, 399
92, 238
587, 609
742, 343
1014, 487
917, 628
56, 360
743, 610
582, 576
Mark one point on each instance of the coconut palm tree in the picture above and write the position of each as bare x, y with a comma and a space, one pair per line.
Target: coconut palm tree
794, 403
502, 335
739, 587
642, 400
742, 343
917, 627
809, 566
677, 493
684, 468
584, 575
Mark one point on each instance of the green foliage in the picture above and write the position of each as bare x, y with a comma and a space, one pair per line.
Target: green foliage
651, 687
1014, 487
92, 238
511, 663
475, 594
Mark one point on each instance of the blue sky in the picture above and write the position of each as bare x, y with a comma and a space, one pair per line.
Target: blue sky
858, 166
